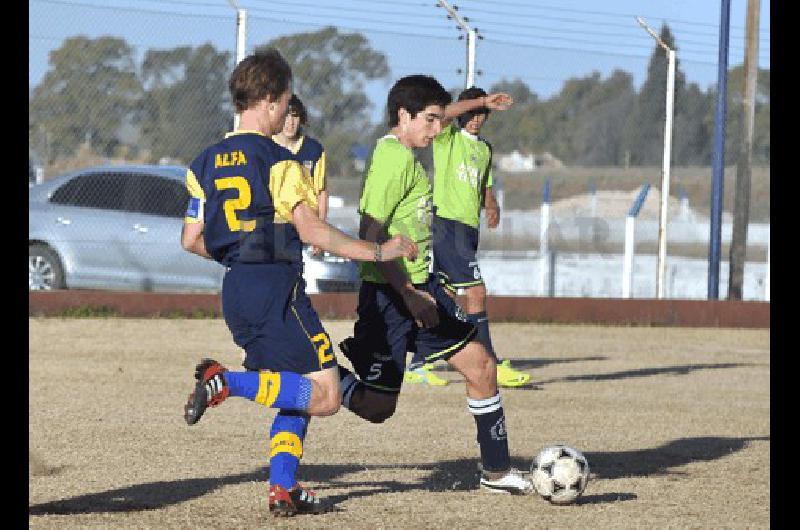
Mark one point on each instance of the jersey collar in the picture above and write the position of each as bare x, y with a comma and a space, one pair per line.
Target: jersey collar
469, 135
243, 131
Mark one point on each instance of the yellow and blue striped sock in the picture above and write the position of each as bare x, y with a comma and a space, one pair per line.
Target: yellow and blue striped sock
286, 447
280, 390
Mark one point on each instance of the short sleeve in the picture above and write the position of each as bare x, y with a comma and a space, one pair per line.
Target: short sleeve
319, 173
445, 136
385, 184
489, 173
290, 184
197, 199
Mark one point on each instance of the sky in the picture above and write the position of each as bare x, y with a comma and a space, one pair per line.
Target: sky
541, 42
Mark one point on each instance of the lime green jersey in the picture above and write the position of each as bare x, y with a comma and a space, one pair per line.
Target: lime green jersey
397, 193
462, 171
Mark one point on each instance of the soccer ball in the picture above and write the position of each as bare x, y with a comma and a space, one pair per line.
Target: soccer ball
560, 473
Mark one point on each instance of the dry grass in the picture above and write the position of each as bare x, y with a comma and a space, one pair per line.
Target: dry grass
671, 420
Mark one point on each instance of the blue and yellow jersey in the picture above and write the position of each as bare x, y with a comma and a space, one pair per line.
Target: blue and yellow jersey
244, 189
311, 155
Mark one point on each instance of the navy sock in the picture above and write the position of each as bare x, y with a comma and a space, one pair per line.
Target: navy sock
491, 422
481, 322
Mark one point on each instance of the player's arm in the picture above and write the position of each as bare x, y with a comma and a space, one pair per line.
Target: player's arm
315, 231
192, 239
489, 199
492, 208
421, 304
495, 101
295, 201
192, 232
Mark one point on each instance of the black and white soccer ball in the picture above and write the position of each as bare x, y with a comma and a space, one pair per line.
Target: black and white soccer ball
560, 473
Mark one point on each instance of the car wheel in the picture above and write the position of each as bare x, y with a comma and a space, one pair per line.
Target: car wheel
44, 269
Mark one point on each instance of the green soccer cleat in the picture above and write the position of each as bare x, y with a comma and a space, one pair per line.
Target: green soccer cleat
509, 377
424, 375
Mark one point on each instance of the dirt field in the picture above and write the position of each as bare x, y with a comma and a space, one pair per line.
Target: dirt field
675, 423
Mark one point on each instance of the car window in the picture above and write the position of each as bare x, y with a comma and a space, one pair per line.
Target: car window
96, 190
154, 195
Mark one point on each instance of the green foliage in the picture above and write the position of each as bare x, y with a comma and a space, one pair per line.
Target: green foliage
185, 106
178, 103
90, 89
87, 311
330, 70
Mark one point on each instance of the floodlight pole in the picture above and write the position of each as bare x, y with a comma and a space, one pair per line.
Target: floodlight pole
665, 168
472, 38
241, 39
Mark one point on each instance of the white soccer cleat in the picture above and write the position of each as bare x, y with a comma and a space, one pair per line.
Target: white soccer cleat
511, 482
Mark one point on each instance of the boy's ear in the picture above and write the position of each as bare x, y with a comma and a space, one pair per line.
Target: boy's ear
403, 115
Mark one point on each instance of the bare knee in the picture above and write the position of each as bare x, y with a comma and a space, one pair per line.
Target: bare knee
373, 405
382, 407
476, 298
325, 399
479, 369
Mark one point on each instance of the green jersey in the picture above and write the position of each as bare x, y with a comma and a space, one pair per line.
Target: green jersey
397, 193
462, 171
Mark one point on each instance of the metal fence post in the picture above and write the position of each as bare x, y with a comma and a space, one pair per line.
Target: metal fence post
544, 229
627, 260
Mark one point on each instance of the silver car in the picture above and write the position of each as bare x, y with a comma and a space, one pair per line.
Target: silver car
118, 227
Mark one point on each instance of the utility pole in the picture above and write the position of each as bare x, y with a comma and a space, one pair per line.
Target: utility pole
741, 208
718, 157
241, 39
472, 37
665, 167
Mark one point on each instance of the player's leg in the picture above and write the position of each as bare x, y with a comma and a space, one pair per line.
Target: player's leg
377, 348
453, 340
291, 367
287, 496
419, 371
476, 314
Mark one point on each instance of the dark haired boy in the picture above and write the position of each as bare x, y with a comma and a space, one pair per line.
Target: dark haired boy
462, 184
401, 307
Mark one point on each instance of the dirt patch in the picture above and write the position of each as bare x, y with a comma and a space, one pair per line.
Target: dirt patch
669, 418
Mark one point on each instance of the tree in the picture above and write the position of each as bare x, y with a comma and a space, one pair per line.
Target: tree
85, 96
734, 115
330, 70
521, 128
186, 106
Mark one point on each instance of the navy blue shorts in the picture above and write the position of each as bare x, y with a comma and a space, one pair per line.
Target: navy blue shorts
270, 316
385, 326
455, 246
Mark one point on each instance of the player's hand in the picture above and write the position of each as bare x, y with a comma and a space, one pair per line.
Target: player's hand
315, 251
422, 307
498, 101
492, 216
399, 247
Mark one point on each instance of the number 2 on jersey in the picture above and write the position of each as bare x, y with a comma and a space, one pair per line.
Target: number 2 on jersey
241, 202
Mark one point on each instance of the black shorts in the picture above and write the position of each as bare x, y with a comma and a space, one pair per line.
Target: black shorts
270, 316
455, 246
385, 328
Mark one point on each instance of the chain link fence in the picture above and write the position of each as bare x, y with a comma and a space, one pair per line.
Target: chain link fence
146, 83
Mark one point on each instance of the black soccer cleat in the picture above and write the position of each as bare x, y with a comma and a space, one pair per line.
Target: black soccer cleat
209, 391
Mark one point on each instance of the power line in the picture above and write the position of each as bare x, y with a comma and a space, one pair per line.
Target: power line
130, 9
589, 12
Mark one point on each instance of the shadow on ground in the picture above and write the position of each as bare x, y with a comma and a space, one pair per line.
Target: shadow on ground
449, 475
684, 369
528, 364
